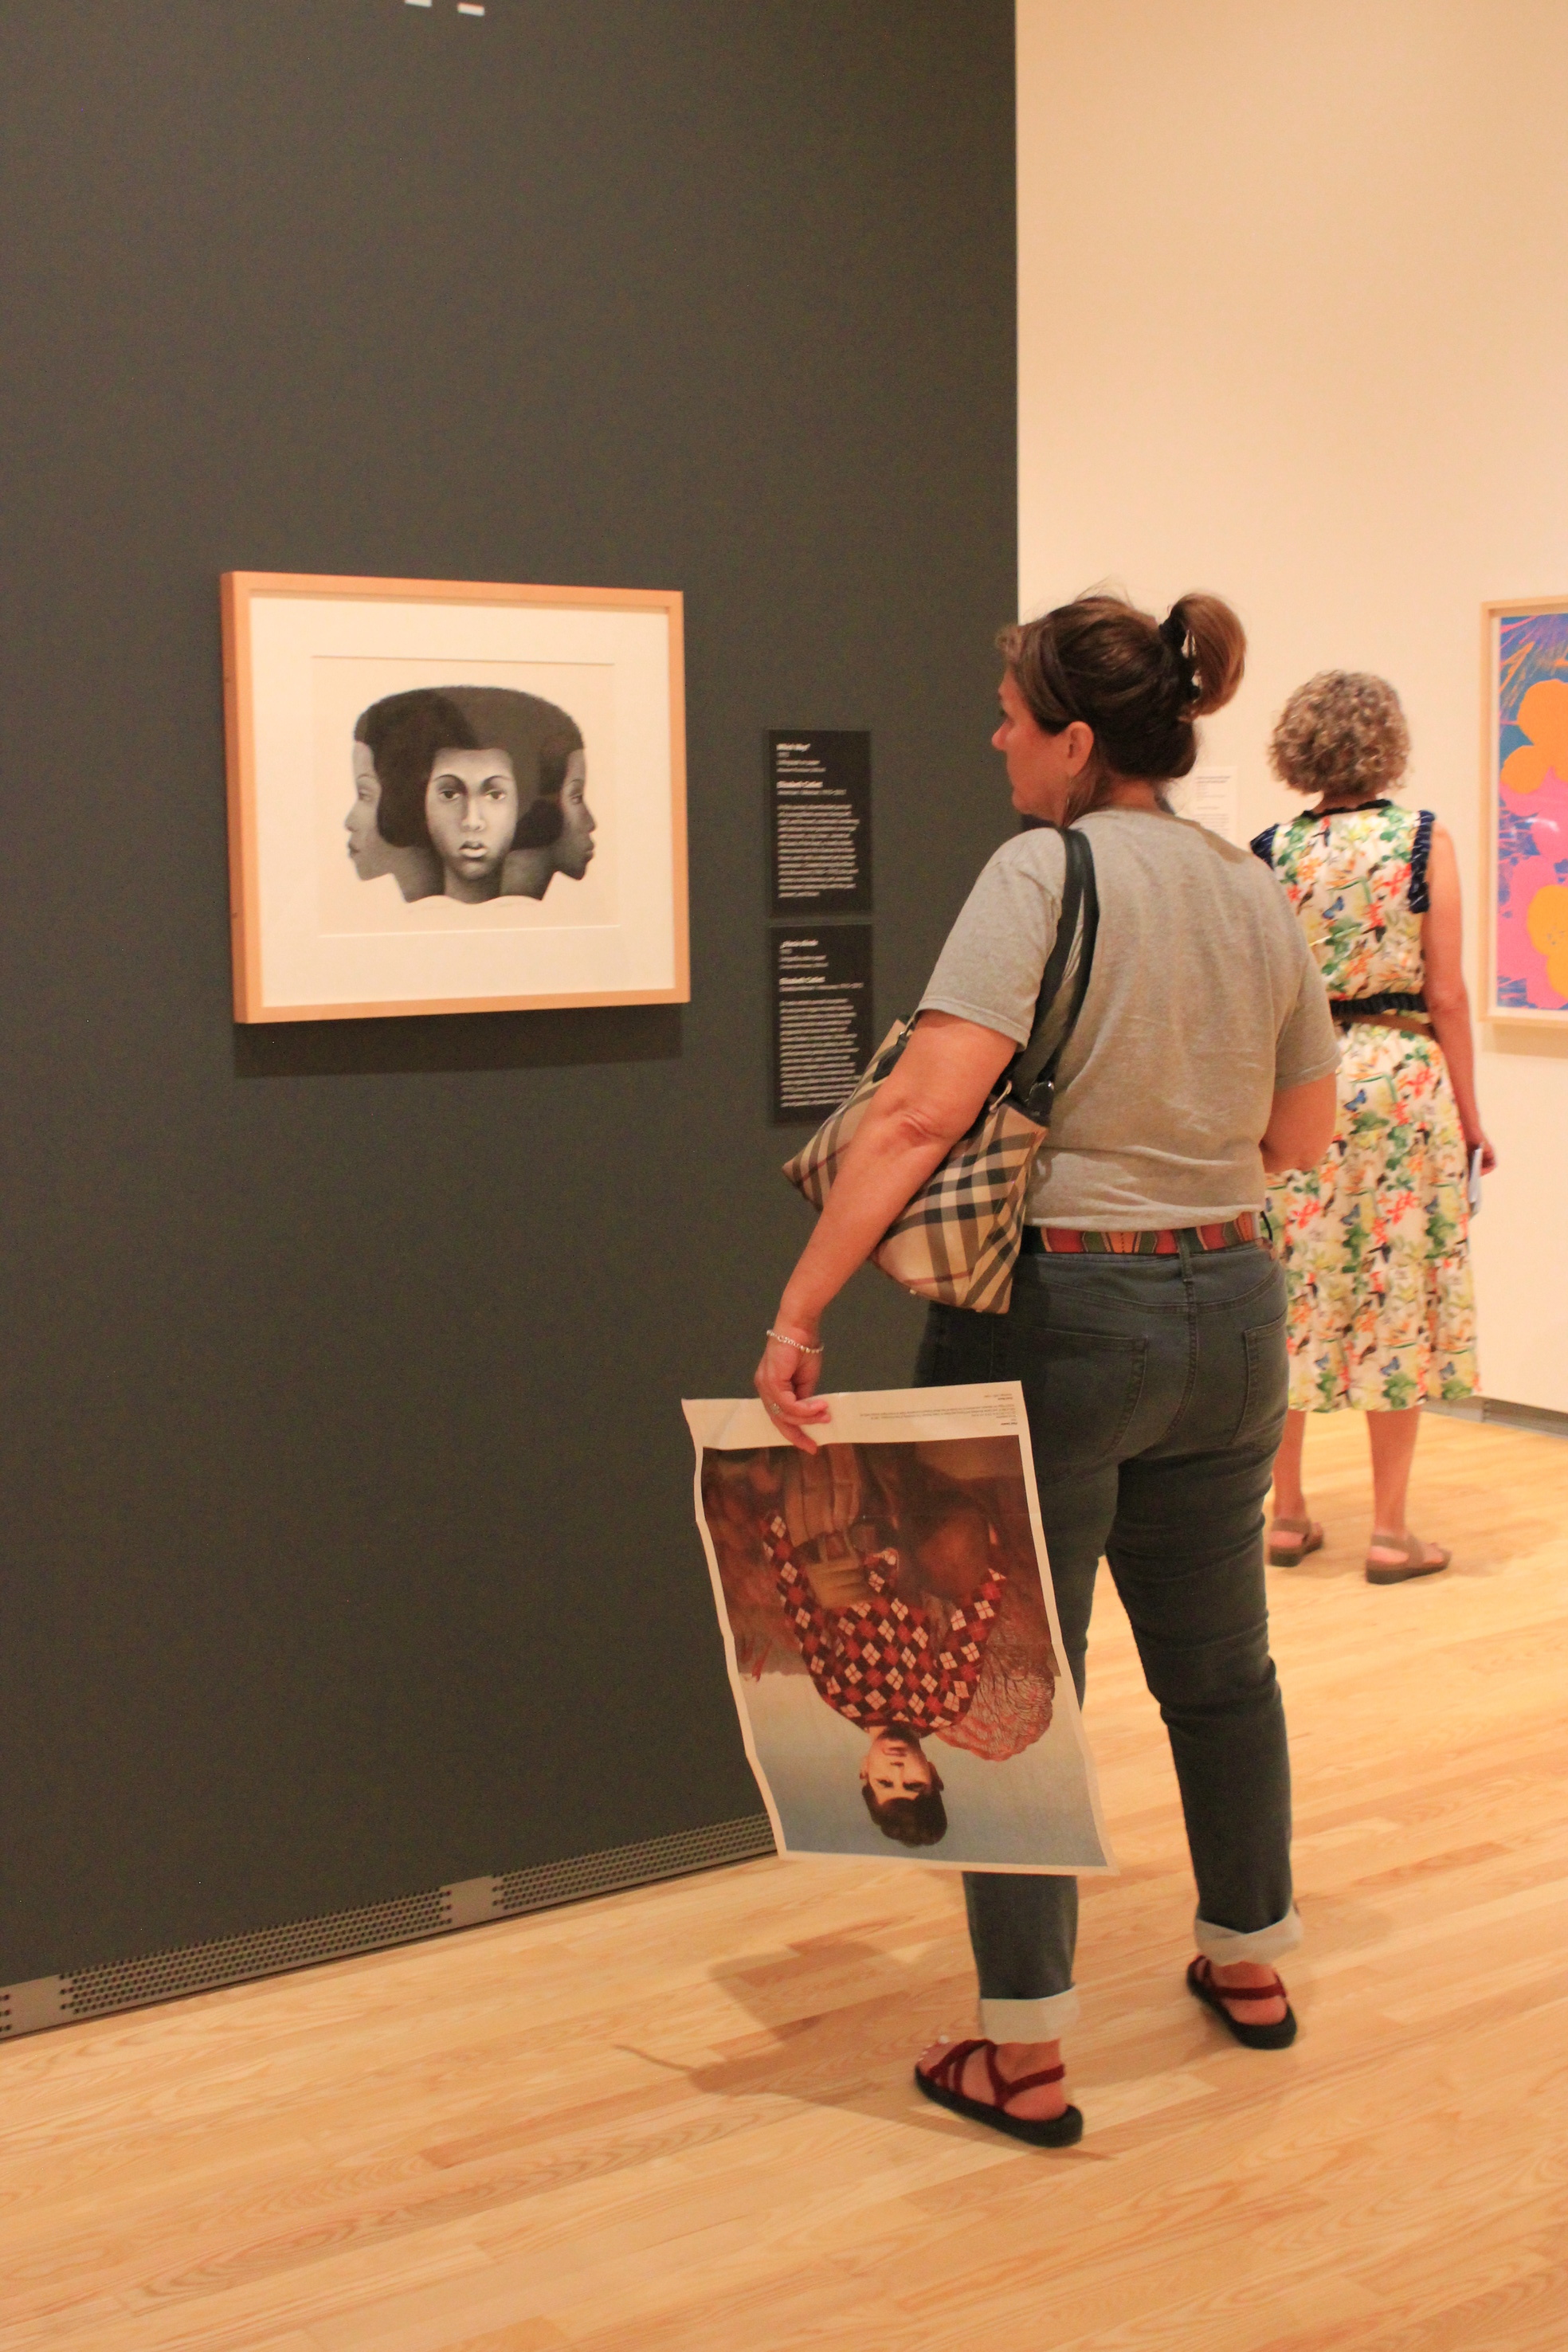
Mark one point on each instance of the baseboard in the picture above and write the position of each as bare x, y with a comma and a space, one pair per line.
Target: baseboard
45, 2001
1511, 1416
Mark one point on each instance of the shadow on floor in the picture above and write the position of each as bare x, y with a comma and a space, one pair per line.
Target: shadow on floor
811, 2043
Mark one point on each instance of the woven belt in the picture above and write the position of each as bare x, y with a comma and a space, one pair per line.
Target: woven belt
1066, 1241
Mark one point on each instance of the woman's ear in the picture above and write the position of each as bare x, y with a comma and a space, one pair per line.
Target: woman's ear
1078, 746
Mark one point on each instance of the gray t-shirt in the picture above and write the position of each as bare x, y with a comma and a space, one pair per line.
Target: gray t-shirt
1203, 999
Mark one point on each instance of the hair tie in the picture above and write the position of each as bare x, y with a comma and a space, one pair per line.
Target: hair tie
1172, 633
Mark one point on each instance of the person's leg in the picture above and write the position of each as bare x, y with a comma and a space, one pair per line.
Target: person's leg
1187, 1556
1293, 1531
1393, 1437
1186, 1552
1289, 1500
1024, 1928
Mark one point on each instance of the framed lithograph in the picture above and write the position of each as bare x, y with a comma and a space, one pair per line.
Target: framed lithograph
449, 796
1524, 700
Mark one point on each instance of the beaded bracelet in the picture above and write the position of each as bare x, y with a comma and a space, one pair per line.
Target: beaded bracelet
784, 1342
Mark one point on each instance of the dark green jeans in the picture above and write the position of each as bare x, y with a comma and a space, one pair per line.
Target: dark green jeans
1155, 1388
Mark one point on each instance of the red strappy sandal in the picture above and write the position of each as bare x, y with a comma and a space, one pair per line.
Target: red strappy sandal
1278, 2036
942, 2085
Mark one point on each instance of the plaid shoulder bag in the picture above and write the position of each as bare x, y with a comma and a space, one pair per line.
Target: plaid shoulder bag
958, 1239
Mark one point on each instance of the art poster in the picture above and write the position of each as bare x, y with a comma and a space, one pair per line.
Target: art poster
446, 796
891, 1633
1527, 810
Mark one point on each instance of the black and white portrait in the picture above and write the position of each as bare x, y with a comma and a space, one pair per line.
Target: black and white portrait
472, 792
453, 797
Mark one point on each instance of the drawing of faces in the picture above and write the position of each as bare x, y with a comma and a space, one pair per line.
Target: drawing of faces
556, 834
360, 823
575, 846
472, 791
470, 814
416, 870
395, 745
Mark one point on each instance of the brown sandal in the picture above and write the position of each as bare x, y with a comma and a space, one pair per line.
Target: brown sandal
1285, 1555
1041, 2131
1413, 1563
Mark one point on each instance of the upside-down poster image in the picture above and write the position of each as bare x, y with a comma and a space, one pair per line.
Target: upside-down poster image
891, 1633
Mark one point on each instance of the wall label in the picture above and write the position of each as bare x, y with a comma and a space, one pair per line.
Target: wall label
822, 1018
819, 821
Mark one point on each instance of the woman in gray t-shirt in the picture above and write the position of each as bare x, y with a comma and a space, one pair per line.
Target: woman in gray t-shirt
1147, 1321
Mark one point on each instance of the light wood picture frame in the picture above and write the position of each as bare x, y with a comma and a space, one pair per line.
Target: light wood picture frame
1524, 806
453, 796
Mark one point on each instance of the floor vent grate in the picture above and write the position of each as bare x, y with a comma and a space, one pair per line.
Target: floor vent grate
46, 2002
632, 1865
200, 1968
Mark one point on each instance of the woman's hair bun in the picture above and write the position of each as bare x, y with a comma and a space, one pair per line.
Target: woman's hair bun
1218, 643
1138, 683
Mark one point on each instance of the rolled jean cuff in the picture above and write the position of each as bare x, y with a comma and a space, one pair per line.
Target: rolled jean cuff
1046, 2020
1224, 1945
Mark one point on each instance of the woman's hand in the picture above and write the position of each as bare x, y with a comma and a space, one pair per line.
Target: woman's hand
786, 1381
1488, 1157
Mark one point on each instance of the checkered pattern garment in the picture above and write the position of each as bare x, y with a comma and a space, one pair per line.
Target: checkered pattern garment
882, 1661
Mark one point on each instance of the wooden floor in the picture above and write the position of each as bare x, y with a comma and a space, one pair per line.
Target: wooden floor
682, 2118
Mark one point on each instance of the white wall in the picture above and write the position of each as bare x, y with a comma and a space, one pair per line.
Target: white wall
1294, 326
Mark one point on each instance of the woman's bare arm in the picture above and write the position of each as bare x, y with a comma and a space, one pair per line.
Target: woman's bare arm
936, 1095
1447, 999
1300, 1126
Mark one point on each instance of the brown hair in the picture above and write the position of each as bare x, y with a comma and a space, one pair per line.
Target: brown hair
405, 732
1139, 683
543, 821
1342, 736
909, 1821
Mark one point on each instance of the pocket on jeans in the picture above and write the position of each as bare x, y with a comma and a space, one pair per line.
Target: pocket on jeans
1268, 1381
1081, 1388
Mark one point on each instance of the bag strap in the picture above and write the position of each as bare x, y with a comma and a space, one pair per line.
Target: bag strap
1033, 1076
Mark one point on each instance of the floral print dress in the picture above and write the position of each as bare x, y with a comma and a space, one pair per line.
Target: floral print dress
1375, 1242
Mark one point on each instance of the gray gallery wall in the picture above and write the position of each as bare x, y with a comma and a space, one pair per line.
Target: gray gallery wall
345, 1495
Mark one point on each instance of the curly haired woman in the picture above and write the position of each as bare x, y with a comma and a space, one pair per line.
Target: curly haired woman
1374, 1241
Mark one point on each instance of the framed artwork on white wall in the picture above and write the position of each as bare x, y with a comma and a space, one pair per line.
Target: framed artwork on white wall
1524, 703
453, 796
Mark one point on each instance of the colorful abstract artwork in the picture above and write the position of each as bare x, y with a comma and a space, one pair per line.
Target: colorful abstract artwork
1528, 809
